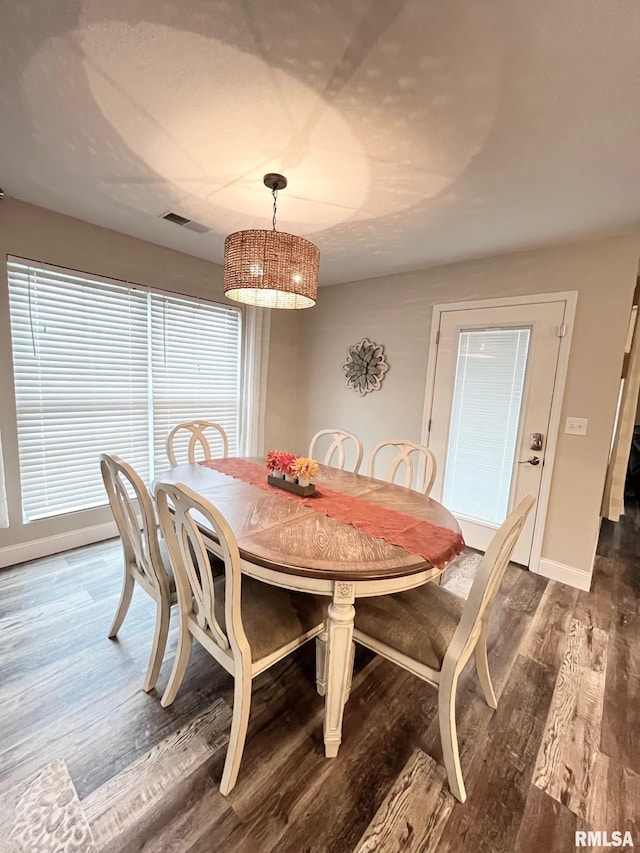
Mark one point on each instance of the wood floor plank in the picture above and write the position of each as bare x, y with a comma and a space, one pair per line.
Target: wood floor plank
507, 630
42, 583
112, 726
66, 680
386, 707
498, 766
414, 812
473, 716
15, 625
64, 635
117, 805
226, 834
621, 713
191, 813
282, 752
180, 817
525, 591
546, 825
616, 803
570, 743
125, 732
547, 636
594, 608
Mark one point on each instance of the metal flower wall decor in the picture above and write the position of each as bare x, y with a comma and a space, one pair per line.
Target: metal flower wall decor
365, 367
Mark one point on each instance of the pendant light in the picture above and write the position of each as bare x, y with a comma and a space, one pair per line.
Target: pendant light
271, 269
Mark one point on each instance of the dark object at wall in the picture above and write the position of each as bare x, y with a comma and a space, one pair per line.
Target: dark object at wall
632, 482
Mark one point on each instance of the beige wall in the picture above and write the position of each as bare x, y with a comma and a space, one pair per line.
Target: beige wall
396, 312
38, 234
284, 382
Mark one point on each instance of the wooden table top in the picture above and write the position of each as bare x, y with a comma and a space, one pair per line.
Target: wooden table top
280, 534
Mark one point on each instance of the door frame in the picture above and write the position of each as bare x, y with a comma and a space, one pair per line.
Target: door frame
570, 299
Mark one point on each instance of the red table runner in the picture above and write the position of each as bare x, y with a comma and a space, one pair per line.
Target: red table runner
438, 545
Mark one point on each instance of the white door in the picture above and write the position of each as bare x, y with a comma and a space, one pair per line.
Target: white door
494, 384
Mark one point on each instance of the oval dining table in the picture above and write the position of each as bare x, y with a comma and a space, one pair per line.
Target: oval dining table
292, 546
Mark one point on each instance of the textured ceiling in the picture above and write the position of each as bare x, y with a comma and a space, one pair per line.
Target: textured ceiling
412, 133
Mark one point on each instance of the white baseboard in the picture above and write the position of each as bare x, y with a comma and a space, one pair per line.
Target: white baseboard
565, 574
36, 548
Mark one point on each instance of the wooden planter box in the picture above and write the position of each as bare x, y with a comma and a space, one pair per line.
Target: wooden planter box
279, 483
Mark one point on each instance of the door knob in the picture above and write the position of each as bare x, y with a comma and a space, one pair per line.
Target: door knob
532, 460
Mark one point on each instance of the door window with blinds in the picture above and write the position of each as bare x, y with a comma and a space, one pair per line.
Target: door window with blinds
101, 366
487, 402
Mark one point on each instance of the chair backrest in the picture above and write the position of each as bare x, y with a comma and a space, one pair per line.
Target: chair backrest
194, 432
180, 510
488, 578
336, 448
126, 491
404, 455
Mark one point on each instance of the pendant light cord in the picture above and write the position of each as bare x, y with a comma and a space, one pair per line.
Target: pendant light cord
274, 193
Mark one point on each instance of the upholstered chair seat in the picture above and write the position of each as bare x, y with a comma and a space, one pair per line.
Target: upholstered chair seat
419, 623
272, 617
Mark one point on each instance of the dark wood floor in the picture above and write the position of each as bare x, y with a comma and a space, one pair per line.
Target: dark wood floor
561, 753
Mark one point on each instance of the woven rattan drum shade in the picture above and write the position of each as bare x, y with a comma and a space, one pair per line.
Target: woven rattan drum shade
271, 269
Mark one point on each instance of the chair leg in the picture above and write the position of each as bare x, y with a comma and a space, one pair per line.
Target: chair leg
128, 584
449, 734
482, 668
179, 665
321, 663
239, 724
163, 613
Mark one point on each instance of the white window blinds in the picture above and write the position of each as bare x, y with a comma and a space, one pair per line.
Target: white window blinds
487, 400
100, 366
194, 374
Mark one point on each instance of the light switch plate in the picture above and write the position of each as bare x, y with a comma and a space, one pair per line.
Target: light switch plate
576, 426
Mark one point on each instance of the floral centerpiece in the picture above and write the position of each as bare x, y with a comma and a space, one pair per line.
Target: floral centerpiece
304, 470
279, 462
298, 471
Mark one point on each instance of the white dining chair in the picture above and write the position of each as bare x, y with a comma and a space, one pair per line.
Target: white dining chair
146, 560
195, 432
247, 626
432, 633
405, 453
338, 438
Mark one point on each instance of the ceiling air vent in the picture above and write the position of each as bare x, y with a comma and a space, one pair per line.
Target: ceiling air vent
183, 222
